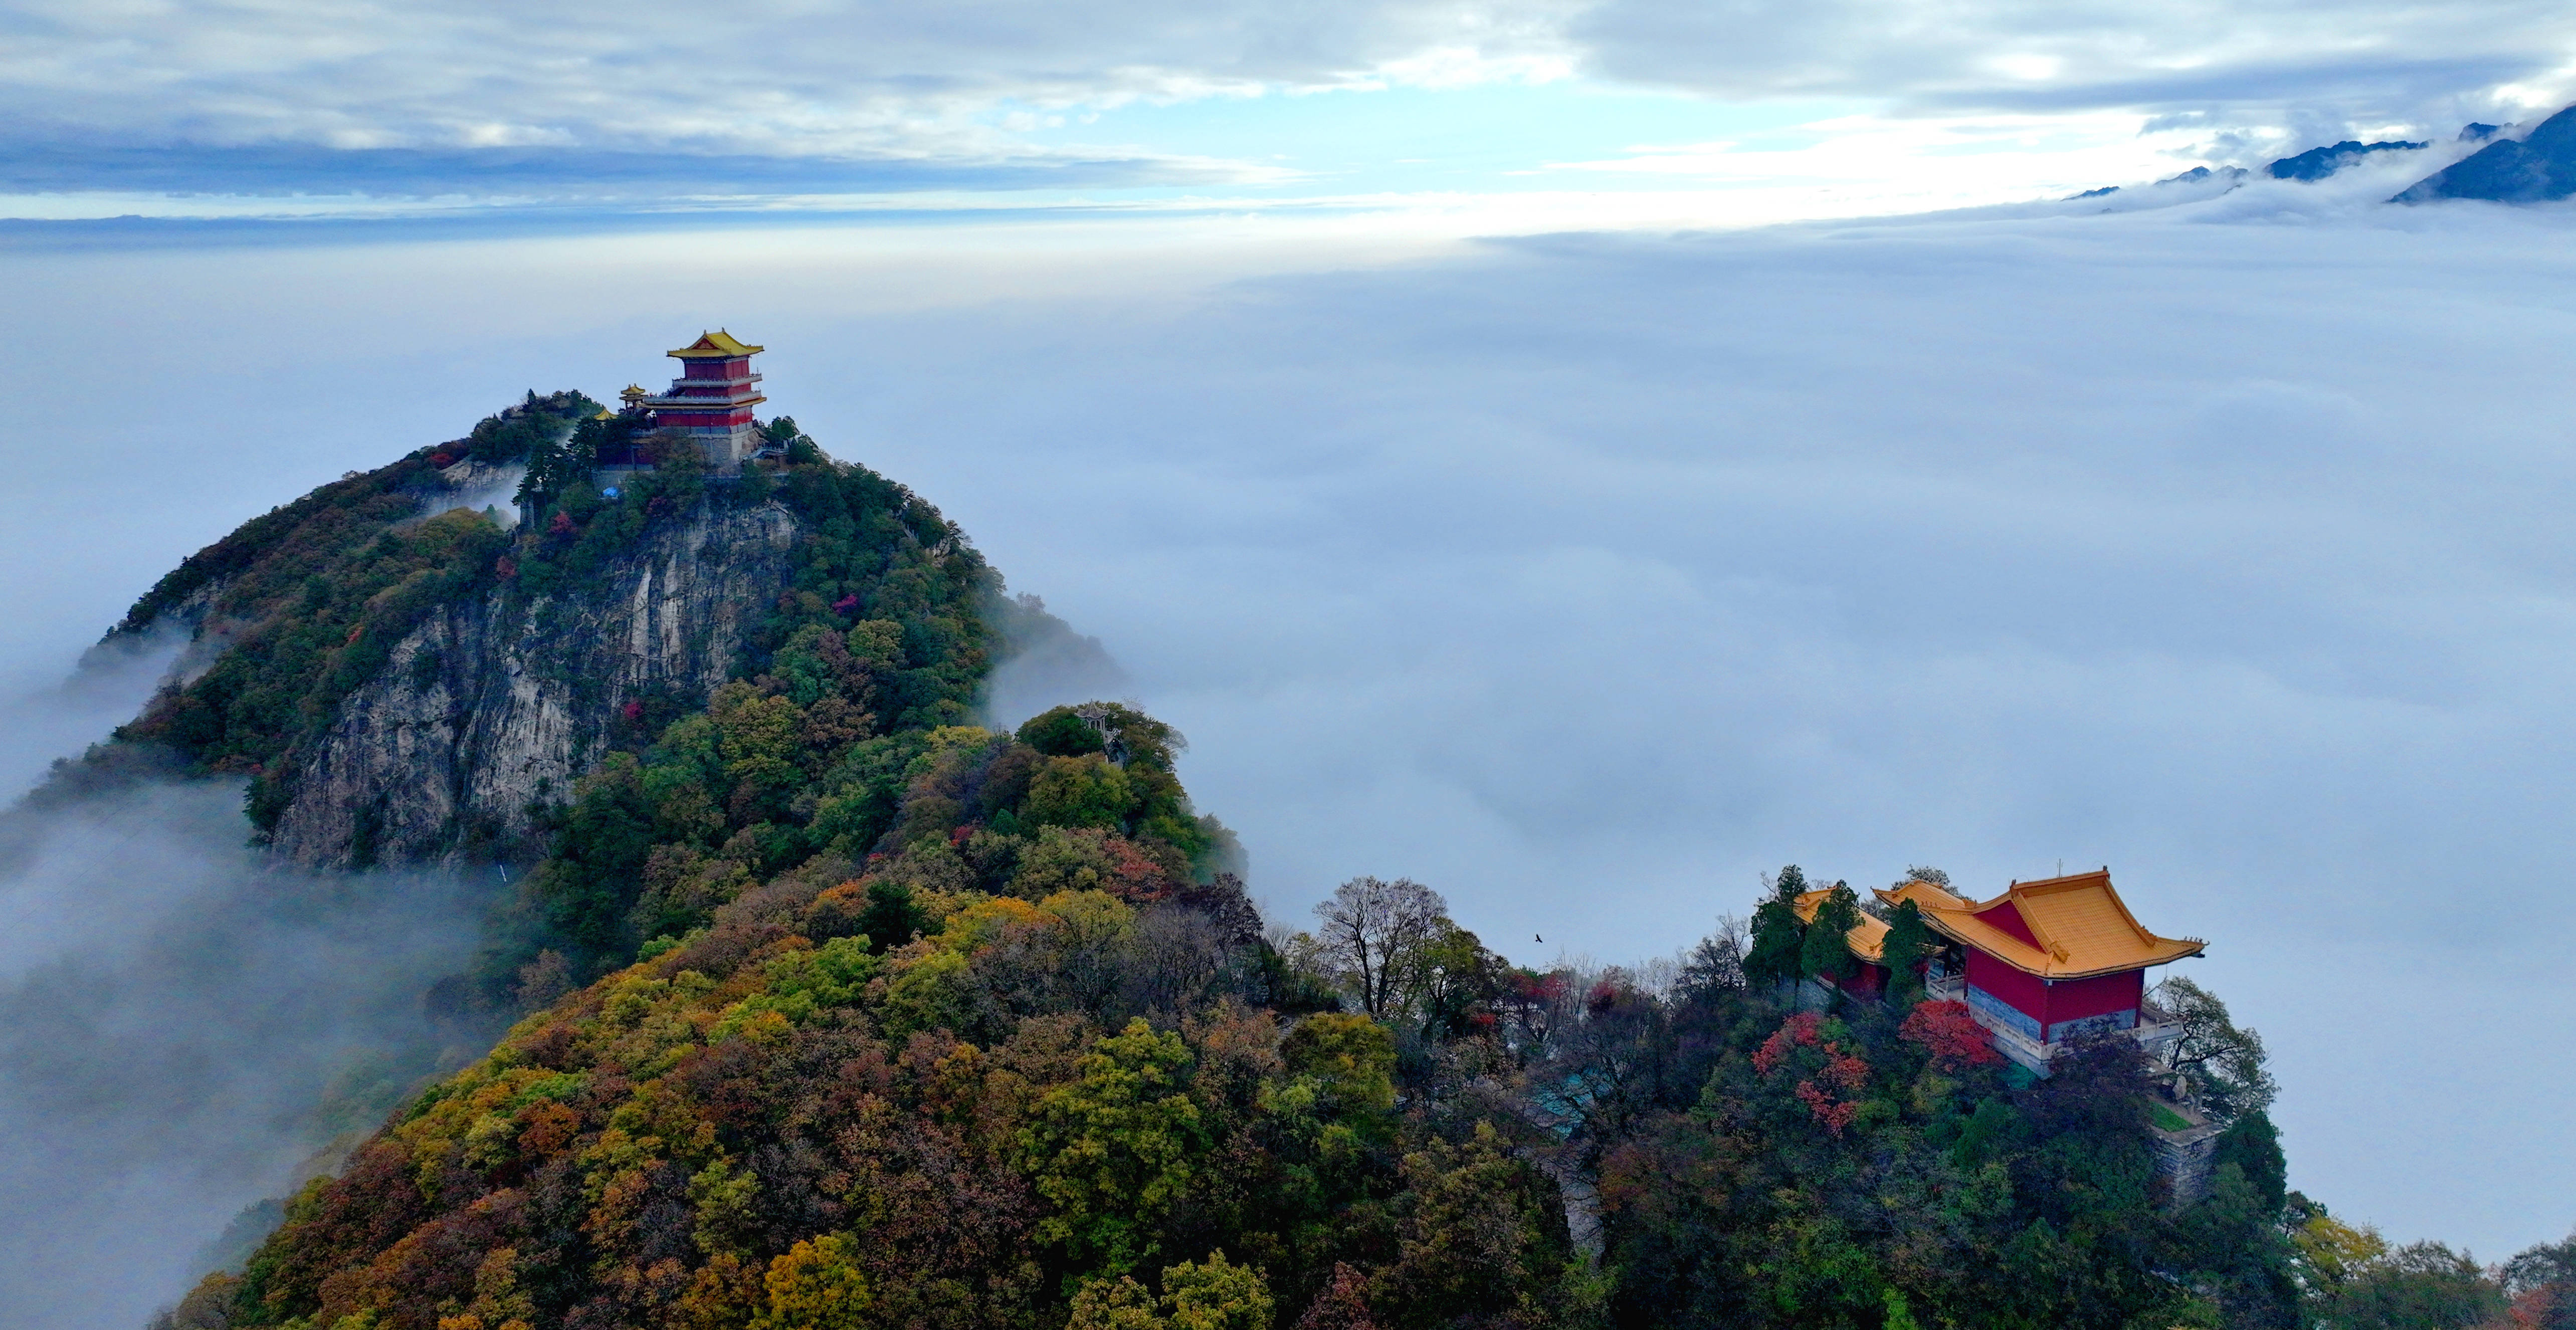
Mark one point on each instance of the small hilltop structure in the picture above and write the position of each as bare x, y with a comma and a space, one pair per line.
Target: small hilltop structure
2046, 962
708, 405
2042, 967
712, 399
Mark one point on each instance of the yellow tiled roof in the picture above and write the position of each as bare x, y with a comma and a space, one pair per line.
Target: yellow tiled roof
717, 345
1927, 896
1867, 939
2081, 925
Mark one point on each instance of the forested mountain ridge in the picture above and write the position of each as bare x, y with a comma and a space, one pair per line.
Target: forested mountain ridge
404, 684
835, 1009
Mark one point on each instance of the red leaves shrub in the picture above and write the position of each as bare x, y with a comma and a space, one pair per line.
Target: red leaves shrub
1832, 1092
562, 525
1835, 1115
1950, 1035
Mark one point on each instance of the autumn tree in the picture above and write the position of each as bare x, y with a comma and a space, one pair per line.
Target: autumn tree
1374, 934
1950, 1036
815, 1285
2542, 1283
1343, 1305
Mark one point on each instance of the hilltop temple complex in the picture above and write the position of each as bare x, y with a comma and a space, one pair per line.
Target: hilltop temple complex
2038, 966
710, 403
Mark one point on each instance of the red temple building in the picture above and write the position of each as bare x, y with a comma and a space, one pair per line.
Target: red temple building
2043, 963
712, 399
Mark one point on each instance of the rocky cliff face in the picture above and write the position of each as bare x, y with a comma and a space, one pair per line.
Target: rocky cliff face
489, 706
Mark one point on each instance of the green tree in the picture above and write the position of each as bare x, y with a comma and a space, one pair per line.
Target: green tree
1777, 935
891, 917
2420, 1286
1480, 1243
1112, 1151
1084, 791
1350, 1059
2253, 1144
1826, 951
1113, 1304
1215, 1295
1909, 941
2226, 1065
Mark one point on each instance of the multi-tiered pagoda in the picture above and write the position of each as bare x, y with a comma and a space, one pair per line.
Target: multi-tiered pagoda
712, 399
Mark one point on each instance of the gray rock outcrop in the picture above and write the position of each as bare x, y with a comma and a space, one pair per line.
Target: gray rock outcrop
493, 706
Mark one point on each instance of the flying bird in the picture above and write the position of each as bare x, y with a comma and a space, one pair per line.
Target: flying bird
1536, 938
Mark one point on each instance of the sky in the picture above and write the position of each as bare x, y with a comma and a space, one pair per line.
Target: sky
1582, 456
1638, 111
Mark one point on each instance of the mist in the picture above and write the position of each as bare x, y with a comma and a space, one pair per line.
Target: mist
1586, 577
186, 1030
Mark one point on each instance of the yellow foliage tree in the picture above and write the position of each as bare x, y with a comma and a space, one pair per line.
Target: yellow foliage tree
815, 1286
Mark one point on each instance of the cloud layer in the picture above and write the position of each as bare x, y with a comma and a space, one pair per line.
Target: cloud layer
2332, 63
174, 1018
1587, 577
799, 77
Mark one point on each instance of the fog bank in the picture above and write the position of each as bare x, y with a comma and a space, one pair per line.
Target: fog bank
175, 1014
1585, 577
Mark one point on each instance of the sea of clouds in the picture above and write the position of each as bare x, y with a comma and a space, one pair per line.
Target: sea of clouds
1585, 577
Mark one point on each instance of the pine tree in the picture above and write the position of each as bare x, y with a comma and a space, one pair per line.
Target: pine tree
1777, 935
1908, 940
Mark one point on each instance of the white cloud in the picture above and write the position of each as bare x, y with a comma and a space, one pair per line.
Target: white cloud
2323, 65
879, 80
832, 78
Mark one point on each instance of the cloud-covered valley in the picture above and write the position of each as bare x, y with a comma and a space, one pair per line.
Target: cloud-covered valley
1586, 577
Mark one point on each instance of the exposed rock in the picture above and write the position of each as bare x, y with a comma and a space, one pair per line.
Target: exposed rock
490, 707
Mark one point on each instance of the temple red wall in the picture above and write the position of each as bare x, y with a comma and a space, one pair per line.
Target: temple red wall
2075, 999
2024, 991
2008, 918
1870, 982
737, 368
2053, 1004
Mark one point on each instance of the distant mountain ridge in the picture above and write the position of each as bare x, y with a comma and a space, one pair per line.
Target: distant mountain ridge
2318, 163
2536, 168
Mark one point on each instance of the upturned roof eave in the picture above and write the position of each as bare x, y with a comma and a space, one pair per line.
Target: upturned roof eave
2001, 945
